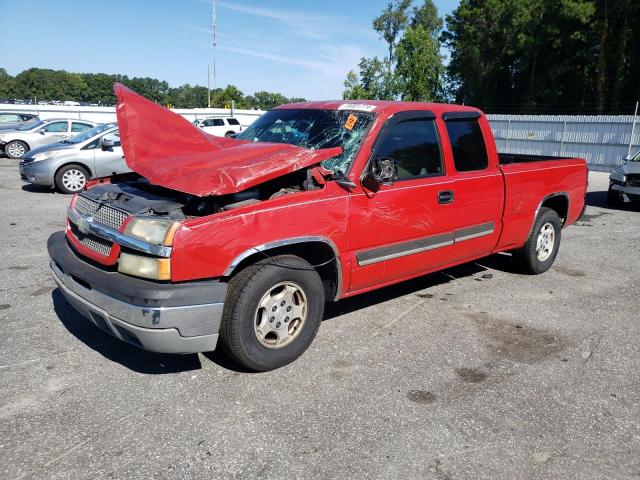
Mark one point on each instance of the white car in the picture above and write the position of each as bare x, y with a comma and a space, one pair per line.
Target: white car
219, 126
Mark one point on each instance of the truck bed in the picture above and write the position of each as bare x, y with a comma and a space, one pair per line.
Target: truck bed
511, 158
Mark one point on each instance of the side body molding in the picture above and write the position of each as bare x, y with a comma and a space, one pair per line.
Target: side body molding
283, 243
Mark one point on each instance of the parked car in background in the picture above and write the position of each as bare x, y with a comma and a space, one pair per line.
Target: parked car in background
68, 165
13, 120
624, 182
16, 143
219, 126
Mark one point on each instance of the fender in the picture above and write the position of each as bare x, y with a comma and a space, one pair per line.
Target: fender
290, 241
544, 199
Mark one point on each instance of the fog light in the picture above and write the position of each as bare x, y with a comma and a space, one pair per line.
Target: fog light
146, 267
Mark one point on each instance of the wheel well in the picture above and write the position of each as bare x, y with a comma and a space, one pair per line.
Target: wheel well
559, 203
319, 254
230, 132
73, 163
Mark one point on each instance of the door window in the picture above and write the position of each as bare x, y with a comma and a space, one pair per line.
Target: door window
467, 144
80, 127
218, 122
415, 148
56, 127
9, 117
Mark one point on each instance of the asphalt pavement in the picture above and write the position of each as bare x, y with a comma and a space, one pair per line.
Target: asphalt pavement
472, 373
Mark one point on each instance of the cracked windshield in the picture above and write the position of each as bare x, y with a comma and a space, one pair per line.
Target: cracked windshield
314, 129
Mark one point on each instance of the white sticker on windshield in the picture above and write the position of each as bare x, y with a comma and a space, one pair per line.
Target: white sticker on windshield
357, 106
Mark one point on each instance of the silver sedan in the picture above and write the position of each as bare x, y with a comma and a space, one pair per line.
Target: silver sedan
16, 143
68, 165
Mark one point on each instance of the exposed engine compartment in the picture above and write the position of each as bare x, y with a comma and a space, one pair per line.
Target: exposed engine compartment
136, 195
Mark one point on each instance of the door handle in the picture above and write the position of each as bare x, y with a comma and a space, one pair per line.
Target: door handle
446, 196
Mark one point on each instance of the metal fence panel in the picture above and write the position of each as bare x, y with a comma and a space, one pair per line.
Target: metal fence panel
602, 140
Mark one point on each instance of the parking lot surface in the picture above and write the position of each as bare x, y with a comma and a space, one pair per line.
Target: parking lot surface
475, 372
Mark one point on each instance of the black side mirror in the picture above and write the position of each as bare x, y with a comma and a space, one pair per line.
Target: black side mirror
383, 171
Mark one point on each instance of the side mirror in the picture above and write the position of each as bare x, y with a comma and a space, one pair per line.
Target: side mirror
41, 131
107, 143
383, 171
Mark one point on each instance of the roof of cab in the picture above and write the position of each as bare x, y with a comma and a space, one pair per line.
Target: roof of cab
385, 107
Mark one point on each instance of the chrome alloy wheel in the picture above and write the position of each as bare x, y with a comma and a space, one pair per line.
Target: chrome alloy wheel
74, 180
16, 149
280, 315
546, 242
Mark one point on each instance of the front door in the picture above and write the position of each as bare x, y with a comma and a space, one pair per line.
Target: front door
405, 227
110, 160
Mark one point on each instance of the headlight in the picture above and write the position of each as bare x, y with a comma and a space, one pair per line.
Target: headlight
618, 177
159, 232
146, 267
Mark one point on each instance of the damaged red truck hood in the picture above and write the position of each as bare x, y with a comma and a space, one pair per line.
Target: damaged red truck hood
169, 151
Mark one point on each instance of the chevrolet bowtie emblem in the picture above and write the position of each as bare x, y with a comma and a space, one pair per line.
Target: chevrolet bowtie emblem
83, 224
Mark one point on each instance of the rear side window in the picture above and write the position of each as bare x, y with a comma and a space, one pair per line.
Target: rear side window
218, 122
414, 147
467, 143
79, 127
233, 121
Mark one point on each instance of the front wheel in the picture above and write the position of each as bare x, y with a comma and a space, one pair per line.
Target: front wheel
16, 149
71, 179
272, 312
539, 253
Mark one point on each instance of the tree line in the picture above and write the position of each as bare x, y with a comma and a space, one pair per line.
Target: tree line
44, 84
508, 56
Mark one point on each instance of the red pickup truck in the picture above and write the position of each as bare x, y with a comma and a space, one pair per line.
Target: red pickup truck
244, 239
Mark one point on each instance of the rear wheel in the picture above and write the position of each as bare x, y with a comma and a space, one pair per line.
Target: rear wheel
539, 253
272, 312
71, 179
16, 149
229, 134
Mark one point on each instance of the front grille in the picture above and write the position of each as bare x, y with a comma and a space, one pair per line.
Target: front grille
633, 180
25, 161
104, 214
93, 242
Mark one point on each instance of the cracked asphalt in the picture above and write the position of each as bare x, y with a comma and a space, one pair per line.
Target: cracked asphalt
475, 372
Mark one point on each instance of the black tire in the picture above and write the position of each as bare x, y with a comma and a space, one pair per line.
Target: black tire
60, 181
527, 257
14, 145
613, 198
237, 332
229, 134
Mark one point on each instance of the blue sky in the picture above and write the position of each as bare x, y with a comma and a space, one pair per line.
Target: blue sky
298, 48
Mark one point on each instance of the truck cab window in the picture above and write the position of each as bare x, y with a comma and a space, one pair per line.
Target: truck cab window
467, 144
414, 146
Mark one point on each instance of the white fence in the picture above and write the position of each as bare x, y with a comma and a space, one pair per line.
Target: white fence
108, 114
602, 140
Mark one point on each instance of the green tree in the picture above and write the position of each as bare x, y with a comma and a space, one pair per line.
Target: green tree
8, 88
352, 88
390, 24
419, 69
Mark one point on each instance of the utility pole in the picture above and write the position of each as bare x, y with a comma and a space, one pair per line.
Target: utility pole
633, 129
213, 53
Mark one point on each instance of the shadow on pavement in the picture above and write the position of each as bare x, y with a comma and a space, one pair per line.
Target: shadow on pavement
501, 262
30, 187
599, 199
153, 363
115, 350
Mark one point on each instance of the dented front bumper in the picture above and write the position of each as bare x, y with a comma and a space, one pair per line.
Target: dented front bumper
159, 317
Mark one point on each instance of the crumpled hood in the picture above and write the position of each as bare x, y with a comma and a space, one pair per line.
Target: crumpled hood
169, 151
